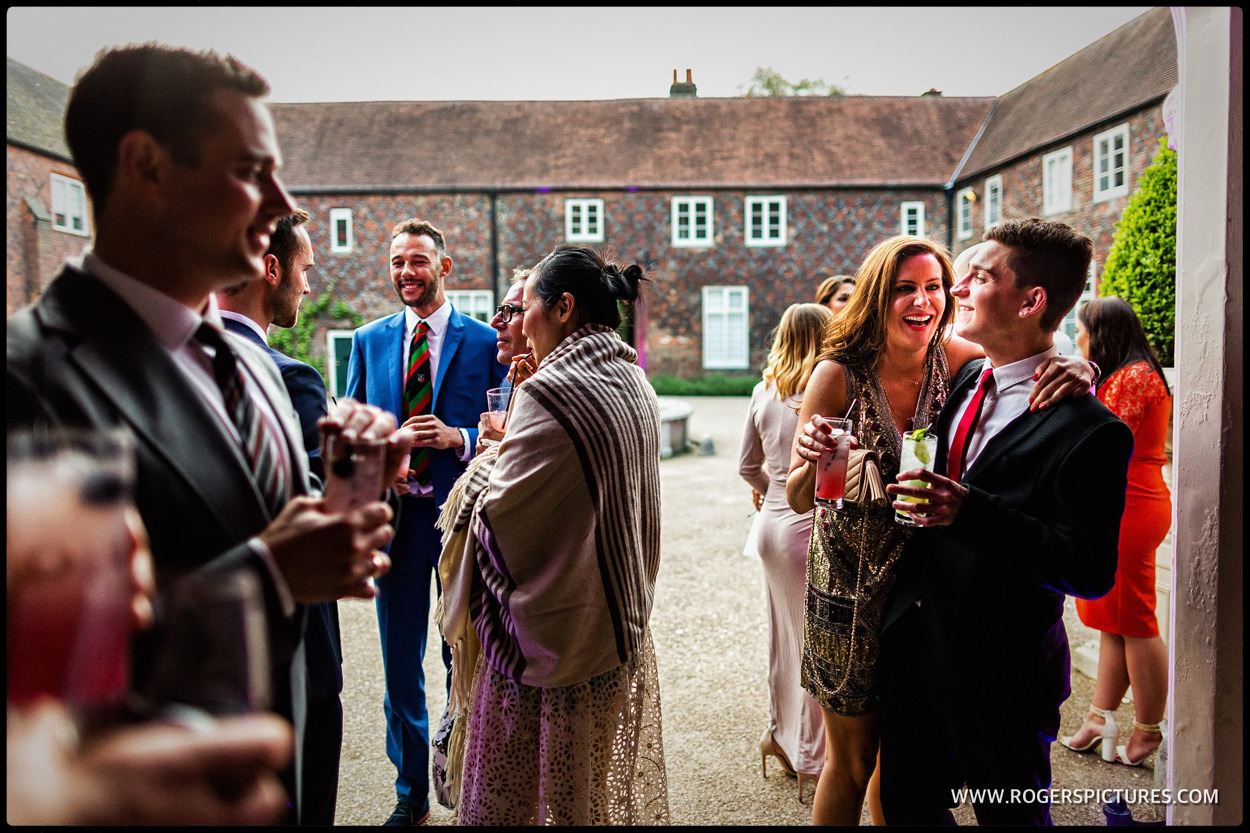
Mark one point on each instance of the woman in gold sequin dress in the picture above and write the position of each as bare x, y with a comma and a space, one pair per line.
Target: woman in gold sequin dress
886, 362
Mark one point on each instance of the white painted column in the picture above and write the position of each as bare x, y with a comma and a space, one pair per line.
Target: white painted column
1206, 628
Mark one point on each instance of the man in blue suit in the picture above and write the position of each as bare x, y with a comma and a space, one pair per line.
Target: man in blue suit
463, 367
248, 309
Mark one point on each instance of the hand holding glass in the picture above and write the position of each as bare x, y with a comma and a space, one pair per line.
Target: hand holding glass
918, 453
831, 465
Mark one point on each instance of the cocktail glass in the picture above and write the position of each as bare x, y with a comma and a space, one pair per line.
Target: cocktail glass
831, 466
919, 451
497, 406
70, 550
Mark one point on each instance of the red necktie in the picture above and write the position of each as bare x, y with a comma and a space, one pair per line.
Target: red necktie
967, 425
418, 396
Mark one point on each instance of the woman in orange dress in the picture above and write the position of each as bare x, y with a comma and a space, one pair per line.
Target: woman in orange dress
1130, 652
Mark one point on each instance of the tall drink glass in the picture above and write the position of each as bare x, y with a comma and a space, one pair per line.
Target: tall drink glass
70, 549
919, 451
831, 466
497, 406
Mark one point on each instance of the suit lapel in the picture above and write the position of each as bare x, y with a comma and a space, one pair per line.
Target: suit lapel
452, 339
946, 419
127, 365
1017, 432
239, 328
393, 358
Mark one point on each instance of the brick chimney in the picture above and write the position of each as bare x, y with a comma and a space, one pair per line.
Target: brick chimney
686, 90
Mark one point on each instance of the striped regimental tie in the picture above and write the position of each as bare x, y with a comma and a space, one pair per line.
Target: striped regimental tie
418, 397
259, 443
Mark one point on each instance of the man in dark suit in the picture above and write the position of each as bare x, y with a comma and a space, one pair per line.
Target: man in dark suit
249, 308
179, 156
1024, 508
430, 366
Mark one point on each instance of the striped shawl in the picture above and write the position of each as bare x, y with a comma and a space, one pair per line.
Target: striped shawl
567, 530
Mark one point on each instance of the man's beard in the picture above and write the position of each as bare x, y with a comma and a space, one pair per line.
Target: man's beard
425, 298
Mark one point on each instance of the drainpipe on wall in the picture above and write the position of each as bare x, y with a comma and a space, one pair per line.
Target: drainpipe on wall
951, 220
958, 172
497, 281
33, 279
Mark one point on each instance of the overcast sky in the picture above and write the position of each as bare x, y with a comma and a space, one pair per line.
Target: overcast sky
354, 53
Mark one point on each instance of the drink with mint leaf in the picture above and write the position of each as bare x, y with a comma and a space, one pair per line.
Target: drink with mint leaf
919, 451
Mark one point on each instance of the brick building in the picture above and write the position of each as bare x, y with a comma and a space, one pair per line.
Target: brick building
46, 217
738, 206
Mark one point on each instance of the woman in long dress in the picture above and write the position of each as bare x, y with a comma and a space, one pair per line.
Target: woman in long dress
795, 735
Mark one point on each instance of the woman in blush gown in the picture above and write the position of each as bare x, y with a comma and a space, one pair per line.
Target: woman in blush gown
795, 733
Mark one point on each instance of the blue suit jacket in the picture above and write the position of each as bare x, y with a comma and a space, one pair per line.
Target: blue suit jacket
323, 647
467, 368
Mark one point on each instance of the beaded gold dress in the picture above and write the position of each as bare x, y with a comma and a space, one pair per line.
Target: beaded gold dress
853, 555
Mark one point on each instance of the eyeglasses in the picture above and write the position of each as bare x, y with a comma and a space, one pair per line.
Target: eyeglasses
506, 311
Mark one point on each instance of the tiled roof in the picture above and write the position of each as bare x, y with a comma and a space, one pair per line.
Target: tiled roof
1129, 68
35, 110
665, 142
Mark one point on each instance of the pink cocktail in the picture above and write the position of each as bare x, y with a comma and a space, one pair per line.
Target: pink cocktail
68, 617
831, 466
497, 400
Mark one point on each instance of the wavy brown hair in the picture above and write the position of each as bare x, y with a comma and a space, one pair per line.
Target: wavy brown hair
855, 337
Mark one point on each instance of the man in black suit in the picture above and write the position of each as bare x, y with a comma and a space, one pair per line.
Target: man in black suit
179, 157
248, 308
1024, 508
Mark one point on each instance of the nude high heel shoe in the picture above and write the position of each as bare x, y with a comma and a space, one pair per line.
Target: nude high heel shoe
1121, 752
1107, 737
768, 746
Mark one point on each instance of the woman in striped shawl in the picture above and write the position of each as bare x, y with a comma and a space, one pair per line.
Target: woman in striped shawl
564, 726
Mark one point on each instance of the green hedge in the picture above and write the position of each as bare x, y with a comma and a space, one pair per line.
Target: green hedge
1141, 266
667, 385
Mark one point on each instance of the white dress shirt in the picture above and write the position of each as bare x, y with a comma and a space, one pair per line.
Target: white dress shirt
1006, 399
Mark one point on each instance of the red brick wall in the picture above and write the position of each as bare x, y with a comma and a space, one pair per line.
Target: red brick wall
1022, 183
34, 251
828, 232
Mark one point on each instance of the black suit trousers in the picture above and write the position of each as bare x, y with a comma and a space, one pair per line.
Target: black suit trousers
940, 734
